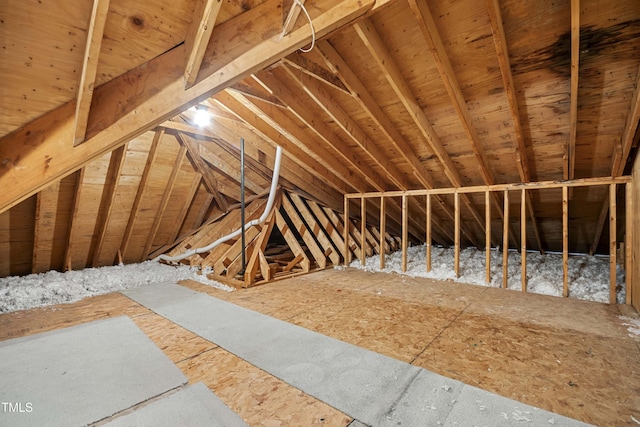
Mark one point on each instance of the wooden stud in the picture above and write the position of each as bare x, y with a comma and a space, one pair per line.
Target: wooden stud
328, 226
316, 229
292, 242
523, 237
363, 225
383, 232
405, 232
487, 250
428, 241
565, 241
456, 240
257, 258
95, 34
72, 229
630, 211
347, 251
305, 233
505, 242
612, 244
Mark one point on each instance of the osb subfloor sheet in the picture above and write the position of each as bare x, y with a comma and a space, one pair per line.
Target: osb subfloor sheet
570, 357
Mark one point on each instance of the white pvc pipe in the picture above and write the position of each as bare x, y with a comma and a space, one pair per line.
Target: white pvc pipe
263, 218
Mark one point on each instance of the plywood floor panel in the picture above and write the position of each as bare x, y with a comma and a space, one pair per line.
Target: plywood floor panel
571, 357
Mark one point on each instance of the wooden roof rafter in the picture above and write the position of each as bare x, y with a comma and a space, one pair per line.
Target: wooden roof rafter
116, 162
166, 195
312, 69
431, 35
198, 36
619, 156
387, 64
364, 98
569, 160
263, 124
522, 162
95, 34
210, 181
153, 152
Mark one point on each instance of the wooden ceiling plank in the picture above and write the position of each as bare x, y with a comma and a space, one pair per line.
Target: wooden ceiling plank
148, 95
151, 158
257, 120
569, 161
431, 35
208, 154
357, 89
349, 126
116, 162
191, 194
210, 181
46, 209
292, 176
621, 153
310, 68
182, 153
352, 129
310, 119
283, 125
500, 42
204, 19
388, 66
95, 34
376, 47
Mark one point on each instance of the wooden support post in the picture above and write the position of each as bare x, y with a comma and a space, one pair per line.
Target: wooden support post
612, 243
405, 231
505, 241
523, 237
628, 239
347, 250
363, 226
565, 241
487, 220
383, 232
428, 226
456, 234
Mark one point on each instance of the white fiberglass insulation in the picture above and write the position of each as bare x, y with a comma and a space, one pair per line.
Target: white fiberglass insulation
52, 287
588, 275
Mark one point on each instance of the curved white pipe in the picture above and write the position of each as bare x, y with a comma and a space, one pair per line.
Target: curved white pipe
263, 217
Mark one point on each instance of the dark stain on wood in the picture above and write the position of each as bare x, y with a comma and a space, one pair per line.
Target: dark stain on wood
593, 42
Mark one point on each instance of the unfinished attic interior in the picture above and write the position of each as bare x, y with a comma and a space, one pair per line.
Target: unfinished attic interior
440, 197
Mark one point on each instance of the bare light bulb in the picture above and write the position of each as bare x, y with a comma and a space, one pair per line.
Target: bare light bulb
202, 118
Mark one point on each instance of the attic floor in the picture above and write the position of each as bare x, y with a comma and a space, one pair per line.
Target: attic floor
571, 357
